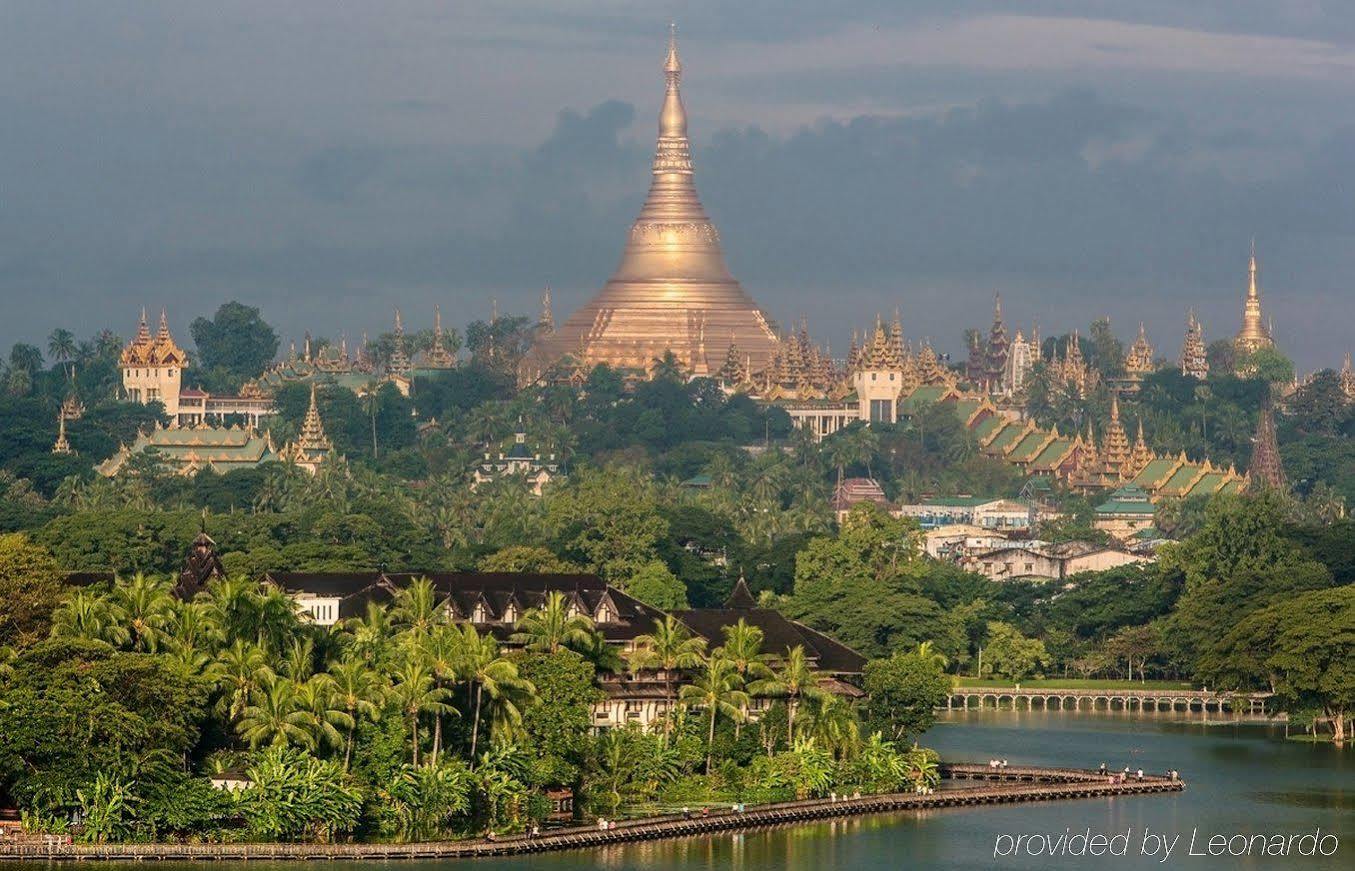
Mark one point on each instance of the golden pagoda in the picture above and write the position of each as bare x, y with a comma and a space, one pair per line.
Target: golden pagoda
399, 360
1139, 360
1117, 456
62, 446
672, 290
1194, 356
312, 447
437, 356
1254, 333
1347, 378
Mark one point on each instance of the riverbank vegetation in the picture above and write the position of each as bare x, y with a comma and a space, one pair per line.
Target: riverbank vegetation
398, 725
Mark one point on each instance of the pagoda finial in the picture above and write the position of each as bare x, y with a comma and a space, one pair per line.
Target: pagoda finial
997, 307
673, 116
1115, 408
1252, 291
547, 315
437, 320
164, 324
399, 327
671, 64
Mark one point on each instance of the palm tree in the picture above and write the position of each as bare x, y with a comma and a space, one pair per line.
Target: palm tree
491, 674
88, 615
717, 690
276, 618
147, 608
61, 345
793, 681
417, 608
359, 691
319, 698
244, 670
553, 625
276, 716
931, 656
369, 637
443, 652
743, 648
668, 648
833, 724
194, 628
415, 693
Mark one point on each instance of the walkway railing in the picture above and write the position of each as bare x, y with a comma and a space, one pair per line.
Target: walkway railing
1014, 785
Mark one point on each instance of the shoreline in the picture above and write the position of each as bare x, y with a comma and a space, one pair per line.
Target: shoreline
1002, 786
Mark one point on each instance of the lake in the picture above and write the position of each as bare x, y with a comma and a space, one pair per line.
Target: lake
1242, 779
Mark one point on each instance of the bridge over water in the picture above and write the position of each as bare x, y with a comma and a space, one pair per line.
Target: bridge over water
963, 698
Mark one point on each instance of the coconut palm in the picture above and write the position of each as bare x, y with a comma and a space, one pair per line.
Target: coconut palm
276, 618
319, 698
369, 637
718, 691
61, 345
930, 655
492, 676
245, 669
147, 608
194, 628
359, 691
793, 681
743, 648
417, 608
443, 652
668, 648
276, 716
90, 616
832, 724
415, 693
553, 625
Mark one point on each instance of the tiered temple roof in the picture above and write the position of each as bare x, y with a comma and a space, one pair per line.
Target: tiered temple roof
1194, 359
148, 351
1139, 361
312, 447
437, 356
189, 449
399, 363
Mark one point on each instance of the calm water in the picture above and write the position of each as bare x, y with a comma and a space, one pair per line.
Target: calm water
1242, 779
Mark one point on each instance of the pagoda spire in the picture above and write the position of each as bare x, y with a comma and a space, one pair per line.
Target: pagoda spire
547, 316
62, 446
1254, 333
1265, 469
163, 332
399, 360
143, 330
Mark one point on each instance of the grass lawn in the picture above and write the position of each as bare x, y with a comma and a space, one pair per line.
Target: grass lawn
1074, 684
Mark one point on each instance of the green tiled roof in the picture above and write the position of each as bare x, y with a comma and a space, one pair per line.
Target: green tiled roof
1026, 448
967, 406
1051, 456
1207, 484
927, 394
1233, 486
959, 501
1153, 471
1180, 479
1005, 438
986, 427
1125, 506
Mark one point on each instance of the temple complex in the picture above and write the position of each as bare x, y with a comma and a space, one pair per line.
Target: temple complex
672, 290
152, 371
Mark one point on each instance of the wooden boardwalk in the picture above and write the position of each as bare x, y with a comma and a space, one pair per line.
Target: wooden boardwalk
1253, 704
1001, 786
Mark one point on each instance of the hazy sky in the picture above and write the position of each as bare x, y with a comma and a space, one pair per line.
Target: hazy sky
329, 161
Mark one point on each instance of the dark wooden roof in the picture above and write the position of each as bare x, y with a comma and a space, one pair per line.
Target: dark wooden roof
779, 635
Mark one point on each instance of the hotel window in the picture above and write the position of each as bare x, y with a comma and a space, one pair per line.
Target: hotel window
882, 411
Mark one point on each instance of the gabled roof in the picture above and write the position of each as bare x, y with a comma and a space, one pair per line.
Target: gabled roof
1005, 439
988, 427
1157, 471
1028, 447
1053, 455
779, 635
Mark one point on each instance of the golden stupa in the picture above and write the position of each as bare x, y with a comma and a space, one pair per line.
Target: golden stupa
1255, 334
672, 290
